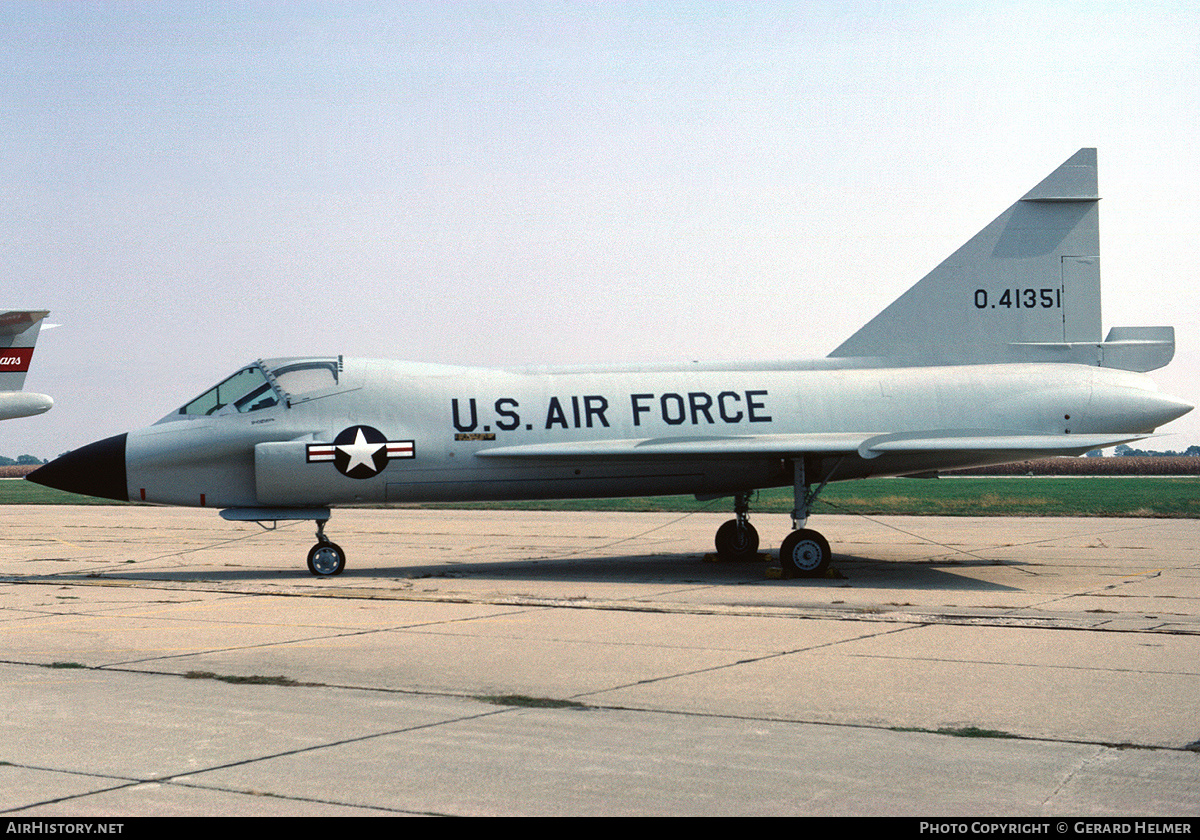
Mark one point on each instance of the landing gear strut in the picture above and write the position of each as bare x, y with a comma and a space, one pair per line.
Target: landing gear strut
325, 559
805, 553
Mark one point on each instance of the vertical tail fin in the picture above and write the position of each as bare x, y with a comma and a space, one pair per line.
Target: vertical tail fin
1026, 288
18, 334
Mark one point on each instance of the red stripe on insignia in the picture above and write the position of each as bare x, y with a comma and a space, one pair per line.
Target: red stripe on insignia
321, 452
15, 359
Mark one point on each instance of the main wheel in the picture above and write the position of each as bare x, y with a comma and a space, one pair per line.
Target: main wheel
804, 553
737, 541
326, 559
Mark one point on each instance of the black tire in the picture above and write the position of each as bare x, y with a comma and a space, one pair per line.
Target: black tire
805, 553
326, 559
737, 542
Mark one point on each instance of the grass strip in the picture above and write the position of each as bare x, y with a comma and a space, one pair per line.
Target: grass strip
1141, 496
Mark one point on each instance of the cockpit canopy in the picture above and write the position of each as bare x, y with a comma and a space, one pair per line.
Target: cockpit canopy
264, 385
247, 390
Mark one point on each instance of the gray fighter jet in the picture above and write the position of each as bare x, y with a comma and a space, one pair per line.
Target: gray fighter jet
994, 356
18, 333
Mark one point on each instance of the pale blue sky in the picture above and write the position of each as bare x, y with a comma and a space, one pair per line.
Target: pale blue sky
191, 186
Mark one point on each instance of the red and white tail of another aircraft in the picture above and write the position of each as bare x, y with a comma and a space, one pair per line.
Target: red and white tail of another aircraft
18, 333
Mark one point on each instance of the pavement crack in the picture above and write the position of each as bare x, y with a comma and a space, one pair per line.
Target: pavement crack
750, 660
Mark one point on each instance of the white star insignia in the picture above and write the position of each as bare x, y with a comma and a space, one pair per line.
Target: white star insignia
361, 452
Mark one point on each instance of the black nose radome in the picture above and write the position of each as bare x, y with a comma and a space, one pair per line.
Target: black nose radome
97, 469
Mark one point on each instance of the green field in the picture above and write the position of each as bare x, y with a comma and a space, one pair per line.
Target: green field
957, 496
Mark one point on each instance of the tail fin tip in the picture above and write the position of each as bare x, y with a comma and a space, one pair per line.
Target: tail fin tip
1074, 180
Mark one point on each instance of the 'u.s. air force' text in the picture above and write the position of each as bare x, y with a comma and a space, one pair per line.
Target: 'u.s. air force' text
590, 411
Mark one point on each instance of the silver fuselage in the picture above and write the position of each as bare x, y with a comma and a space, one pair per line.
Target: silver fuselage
477, 434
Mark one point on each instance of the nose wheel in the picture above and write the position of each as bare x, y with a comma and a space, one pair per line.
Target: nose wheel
325, 559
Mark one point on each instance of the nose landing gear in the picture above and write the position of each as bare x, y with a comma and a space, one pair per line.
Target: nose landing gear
325, 559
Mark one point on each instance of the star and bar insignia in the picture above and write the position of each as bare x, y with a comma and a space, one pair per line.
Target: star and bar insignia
360, 451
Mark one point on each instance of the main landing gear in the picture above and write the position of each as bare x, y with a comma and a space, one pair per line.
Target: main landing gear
325, 559
805, 553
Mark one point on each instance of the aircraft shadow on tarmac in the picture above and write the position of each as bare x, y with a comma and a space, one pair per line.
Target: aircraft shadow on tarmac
847, 570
